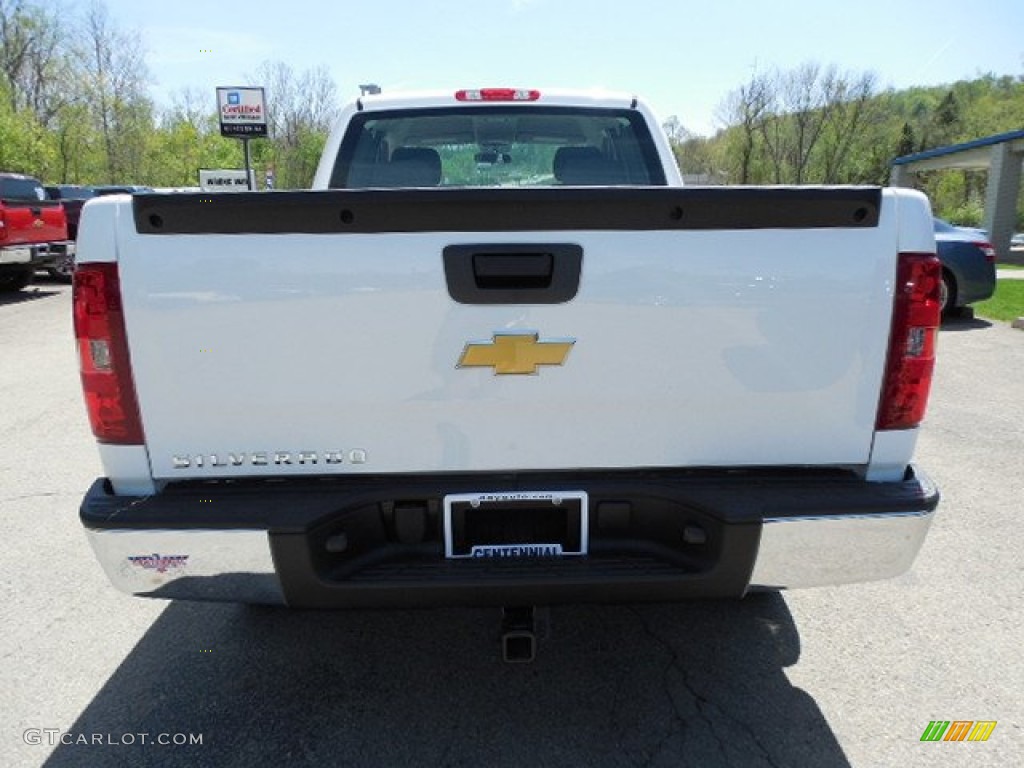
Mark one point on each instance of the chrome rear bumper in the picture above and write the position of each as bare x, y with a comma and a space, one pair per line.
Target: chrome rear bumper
17, 254
219, 565
280, 544
838, 549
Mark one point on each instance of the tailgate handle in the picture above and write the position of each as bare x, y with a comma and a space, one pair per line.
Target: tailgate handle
513, 273
521, 271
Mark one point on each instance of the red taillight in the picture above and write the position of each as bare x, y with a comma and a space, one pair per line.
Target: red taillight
103, 355
988, 250
915, 325
497, 94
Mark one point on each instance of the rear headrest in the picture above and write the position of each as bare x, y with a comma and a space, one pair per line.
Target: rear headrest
581, 166
417, 166
571, 156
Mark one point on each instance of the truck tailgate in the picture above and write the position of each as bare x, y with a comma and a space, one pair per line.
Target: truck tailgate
280, 350
32, 222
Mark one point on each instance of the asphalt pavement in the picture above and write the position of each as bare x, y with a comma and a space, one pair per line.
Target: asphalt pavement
846, 676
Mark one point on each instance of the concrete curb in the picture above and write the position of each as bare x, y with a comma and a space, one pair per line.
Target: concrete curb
1018, 324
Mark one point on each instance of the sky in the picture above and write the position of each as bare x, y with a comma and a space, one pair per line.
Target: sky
683, 57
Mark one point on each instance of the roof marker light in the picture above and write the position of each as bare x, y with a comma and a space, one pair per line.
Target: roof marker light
497, 94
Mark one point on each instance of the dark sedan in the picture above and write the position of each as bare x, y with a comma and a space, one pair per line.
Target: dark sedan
968, 266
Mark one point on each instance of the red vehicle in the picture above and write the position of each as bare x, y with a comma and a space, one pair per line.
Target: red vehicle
72, 197
33, 231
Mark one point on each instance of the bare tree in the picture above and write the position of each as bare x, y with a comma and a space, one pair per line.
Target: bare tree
193, 107
321, 99
675, 130
31, 59
799, 114
300, 110
853, 106
809, 99
114, 73
295, 103
803, 122
283, 98
16, 41
743, 110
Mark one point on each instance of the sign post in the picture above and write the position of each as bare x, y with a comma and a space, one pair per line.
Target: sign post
243, 115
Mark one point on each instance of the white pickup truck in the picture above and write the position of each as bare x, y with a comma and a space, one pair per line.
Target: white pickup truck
501, 355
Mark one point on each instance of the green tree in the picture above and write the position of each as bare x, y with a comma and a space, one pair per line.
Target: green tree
944, 125
906, 145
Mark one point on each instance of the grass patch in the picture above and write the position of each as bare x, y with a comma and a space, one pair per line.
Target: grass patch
1007, 304
1009, 266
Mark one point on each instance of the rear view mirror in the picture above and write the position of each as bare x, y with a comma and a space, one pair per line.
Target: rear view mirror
492, 158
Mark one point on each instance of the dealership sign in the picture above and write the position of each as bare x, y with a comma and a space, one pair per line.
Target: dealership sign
243, 112
226, 180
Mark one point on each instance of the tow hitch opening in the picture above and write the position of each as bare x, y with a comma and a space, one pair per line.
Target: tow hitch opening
518, 634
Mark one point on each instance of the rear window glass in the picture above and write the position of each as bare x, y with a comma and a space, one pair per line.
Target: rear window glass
497, 147
75, 193
21, 189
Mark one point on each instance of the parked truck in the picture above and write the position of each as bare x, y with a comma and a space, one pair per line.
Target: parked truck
73, 197
33, 231
500, 355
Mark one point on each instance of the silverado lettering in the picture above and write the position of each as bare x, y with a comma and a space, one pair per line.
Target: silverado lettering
262, 459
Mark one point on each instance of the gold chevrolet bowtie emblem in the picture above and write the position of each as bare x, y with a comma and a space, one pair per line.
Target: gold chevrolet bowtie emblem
38, 223
515, 353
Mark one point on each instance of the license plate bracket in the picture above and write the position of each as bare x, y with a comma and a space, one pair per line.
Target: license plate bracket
515, 524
